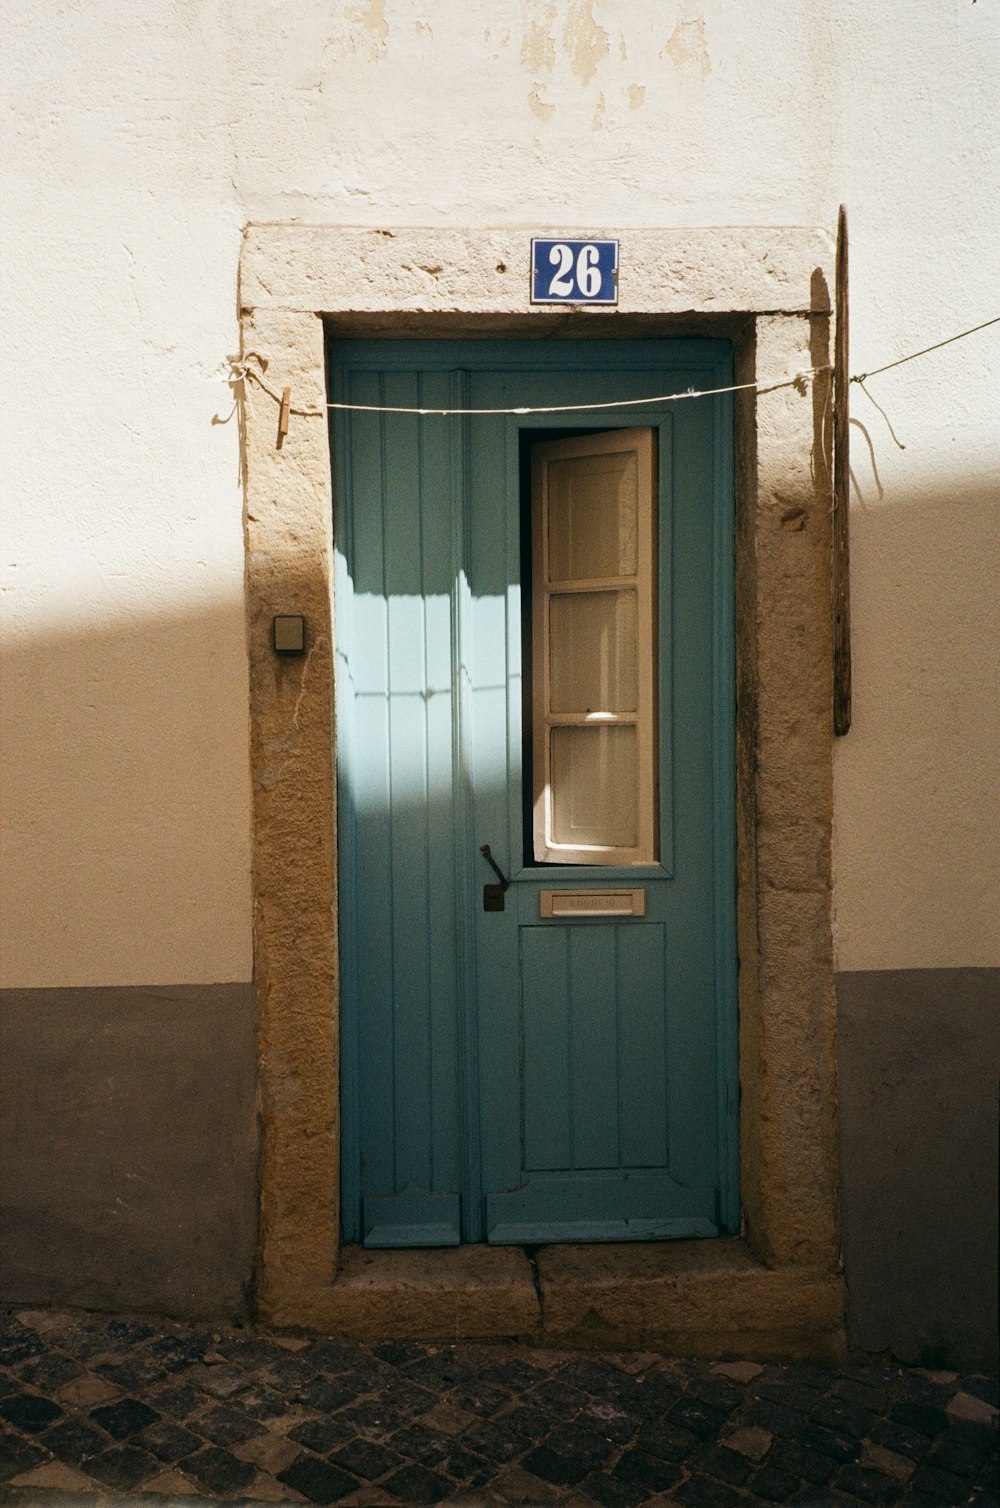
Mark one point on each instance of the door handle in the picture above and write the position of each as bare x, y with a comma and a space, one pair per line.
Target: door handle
493, 894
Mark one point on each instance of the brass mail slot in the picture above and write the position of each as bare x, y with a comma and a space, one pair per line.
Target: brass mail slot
554, 903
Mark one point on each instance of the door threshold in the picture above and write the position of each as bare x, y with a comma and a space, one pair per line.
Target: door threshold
680, 1298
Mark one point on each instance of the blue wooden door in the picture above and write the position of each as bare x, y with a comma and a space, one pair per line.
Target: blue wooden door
563, 1068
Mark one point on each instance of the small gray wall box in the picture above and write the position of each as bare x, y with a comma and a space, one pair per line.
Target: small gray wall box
289, 634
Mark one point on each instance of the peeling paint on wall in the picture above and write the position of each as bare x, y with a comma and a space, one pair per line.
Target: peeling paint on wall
688, 50
636, 96
373, 20
538, 106
366, 35
585, 41
538, 48
598, 120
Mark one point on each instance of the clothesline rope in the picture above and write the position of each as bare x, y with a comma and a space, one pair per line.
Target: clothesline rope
242, 372
863, 377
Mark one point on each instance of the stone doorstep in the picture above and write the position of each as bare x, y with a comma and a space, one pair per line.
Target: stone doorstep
682, 1298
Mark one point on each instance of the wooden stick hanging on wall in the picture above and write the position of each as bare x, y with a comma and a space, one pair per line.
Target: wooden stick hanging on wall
841, 495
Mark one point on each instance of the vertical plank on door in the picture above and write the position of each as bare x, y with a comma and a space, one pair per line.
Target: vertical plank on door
547, 1048
442, 921
702, 618
367, 778
491, 539
642, 1046
408, 779
594, 1052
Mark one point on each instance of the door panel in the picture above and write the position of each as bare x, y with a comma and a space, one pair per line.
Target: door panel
398, 882
589, 998
508, 1076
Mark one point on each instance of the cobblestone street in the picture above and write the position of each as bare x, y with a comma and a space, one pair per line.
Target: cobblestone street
115, 1410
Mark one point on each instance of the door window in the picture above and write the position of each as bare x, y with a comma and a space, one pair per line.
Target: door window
593, 649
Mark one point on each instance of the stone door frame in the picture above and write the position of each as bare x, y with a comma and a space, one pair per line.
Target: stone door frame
767, 291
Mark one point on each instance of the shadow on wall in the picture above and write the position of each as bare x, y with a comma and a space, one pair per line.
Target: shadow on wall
916, 800
126, 795
916, 861
128, 1125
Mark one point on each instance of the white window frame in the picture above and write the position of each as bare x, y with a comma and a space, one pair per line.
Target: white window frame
641, 442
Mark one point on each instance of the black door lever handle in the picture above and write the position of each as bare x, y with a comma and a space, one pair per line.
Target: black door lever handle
493, 894
491, 861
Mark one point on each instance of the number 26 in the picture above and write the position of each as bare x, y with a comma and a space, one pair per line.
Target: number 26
588, 273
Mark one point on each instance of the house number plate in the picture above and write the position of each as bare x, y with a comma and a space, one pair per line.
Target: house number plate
574, 272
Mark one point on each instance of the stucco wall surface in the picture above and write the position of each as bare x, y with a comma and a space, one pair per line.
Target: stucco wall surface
128, 1148
142, 139
918, 1060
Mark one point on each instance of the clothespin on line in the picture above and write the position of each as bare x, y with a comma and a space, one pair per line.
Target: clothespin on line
283, 412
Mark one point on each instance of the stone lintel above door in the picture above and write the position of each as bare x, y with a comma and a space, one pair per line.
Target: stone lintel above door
344, 271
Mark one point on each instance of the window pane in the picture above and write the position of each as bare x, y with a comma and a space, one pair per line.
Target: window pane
593, 773
592, 651
592, 516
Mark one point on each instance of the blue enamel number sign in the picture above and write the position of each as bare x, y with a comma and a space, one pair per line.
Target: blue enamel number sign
574, 272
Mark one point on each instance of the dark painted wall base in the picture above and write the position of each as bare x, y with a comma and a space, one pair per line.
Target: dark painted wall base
128, 1148
128, 1154
918, 1073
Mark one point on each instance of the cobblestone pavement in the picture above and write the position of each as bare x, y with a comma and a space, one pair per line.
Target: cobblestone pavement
116, 1410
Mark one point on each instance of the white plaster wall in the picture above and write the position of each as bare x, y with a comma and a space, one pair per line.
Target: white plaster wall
142, 138
125, 855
